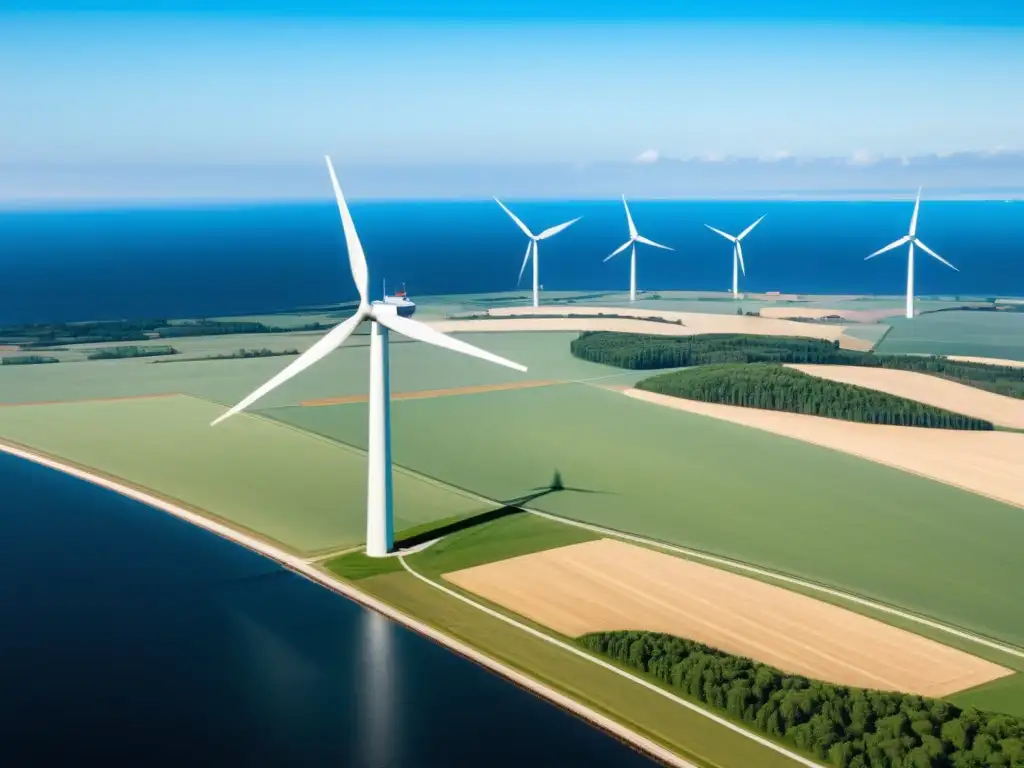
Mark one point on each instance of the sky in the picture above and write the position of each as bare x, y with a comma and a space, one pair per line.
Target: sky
241, 99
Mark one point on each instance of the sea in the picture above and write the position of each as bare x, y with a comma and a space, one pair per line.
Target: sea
189, 261
132, 638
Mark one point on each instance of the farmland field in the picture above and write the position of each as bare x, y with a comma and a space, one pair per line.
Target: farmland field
982, 334
414, 366
692, 480
609, 585
295, 488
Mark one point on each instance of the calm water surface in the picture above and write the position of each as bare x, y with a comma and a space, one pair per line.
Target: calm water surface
132, 638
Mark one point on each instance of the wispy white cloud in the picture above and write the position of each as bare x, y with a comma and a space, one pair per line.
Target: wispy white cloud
648, 156
999, 174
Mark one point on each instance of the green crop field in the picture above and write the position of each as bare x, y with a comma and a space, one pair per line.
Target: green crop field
686, 732
414, 366
295, 488
692, 480
986, 334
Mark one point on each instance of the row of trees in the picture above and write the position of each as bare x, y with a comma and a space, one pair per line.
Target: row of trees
777, 388
27, 360
646, 352
121, 353
41, 335
847, 727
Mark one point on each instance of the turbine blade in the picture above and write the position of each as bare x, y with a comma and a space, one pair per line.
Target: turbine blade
645, 241
356, 257
423, 332
913, 219
550, 231
330, 342
726, 235
932, 253
526, 258
889, 247
739, 254
619, 250
747, 231
515, 218
629, 220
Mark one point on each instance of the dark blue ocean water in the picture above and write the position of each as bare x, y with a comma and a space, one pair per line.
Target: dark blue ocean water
237, 259
131, 638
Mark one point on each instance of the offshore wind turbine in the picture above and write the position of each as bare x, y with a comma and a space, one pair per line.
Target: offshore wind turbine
383, 317
634, 238
531, 247
737, 253
912, 239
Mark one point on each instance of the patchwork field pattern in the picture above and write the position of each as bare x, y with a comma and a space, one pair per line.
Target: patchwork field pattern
608, 585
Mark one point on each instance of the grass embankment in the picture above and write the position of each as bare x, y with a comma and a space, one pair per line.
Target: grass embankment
848, 727
635, 351
777, 388
685, 732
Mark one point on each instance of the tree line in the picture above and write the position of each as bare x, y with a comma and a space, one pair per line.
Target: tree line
42, 335
847, 727
27, 360
645, 352
121, 353
774, 387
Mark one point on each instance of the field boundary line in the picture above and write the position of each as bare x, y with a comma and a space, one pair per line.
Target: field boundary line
301, 567
632, 394
611, 667
741, 566
950, 629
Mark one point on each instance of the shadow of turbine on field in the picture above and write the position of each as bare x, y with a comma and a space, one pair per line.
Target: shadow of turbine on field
507, 509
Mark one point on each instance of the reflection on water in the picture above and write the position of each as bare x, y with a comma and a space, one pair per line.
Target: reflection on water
132, 638
381, 675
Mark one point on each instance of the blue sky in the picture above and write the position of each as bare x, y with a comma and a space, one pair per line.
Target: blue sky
391, 85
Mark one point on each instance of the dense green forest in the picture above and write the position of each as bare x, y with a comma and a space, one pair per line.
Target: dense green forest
847, 727
120, 353
645, 352
41, 335
775, 387
27, 360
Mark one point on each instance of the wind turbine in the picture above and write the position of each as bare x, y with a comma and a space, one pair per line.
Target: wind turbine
737, 253
532, 245
634, 238
912, 239
382, 317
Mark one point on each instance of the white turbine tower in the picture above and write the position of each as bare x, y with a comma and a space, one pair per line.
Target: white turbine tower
382, 317
634, 238
737, 253
913, 240
532, 246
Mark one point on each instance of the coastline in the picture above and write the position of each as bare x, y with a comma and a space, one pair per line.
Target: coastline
308, 570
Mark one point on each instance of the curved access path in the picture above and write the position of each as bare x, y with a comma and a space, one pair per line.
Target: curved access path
1001, 410
310, 571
